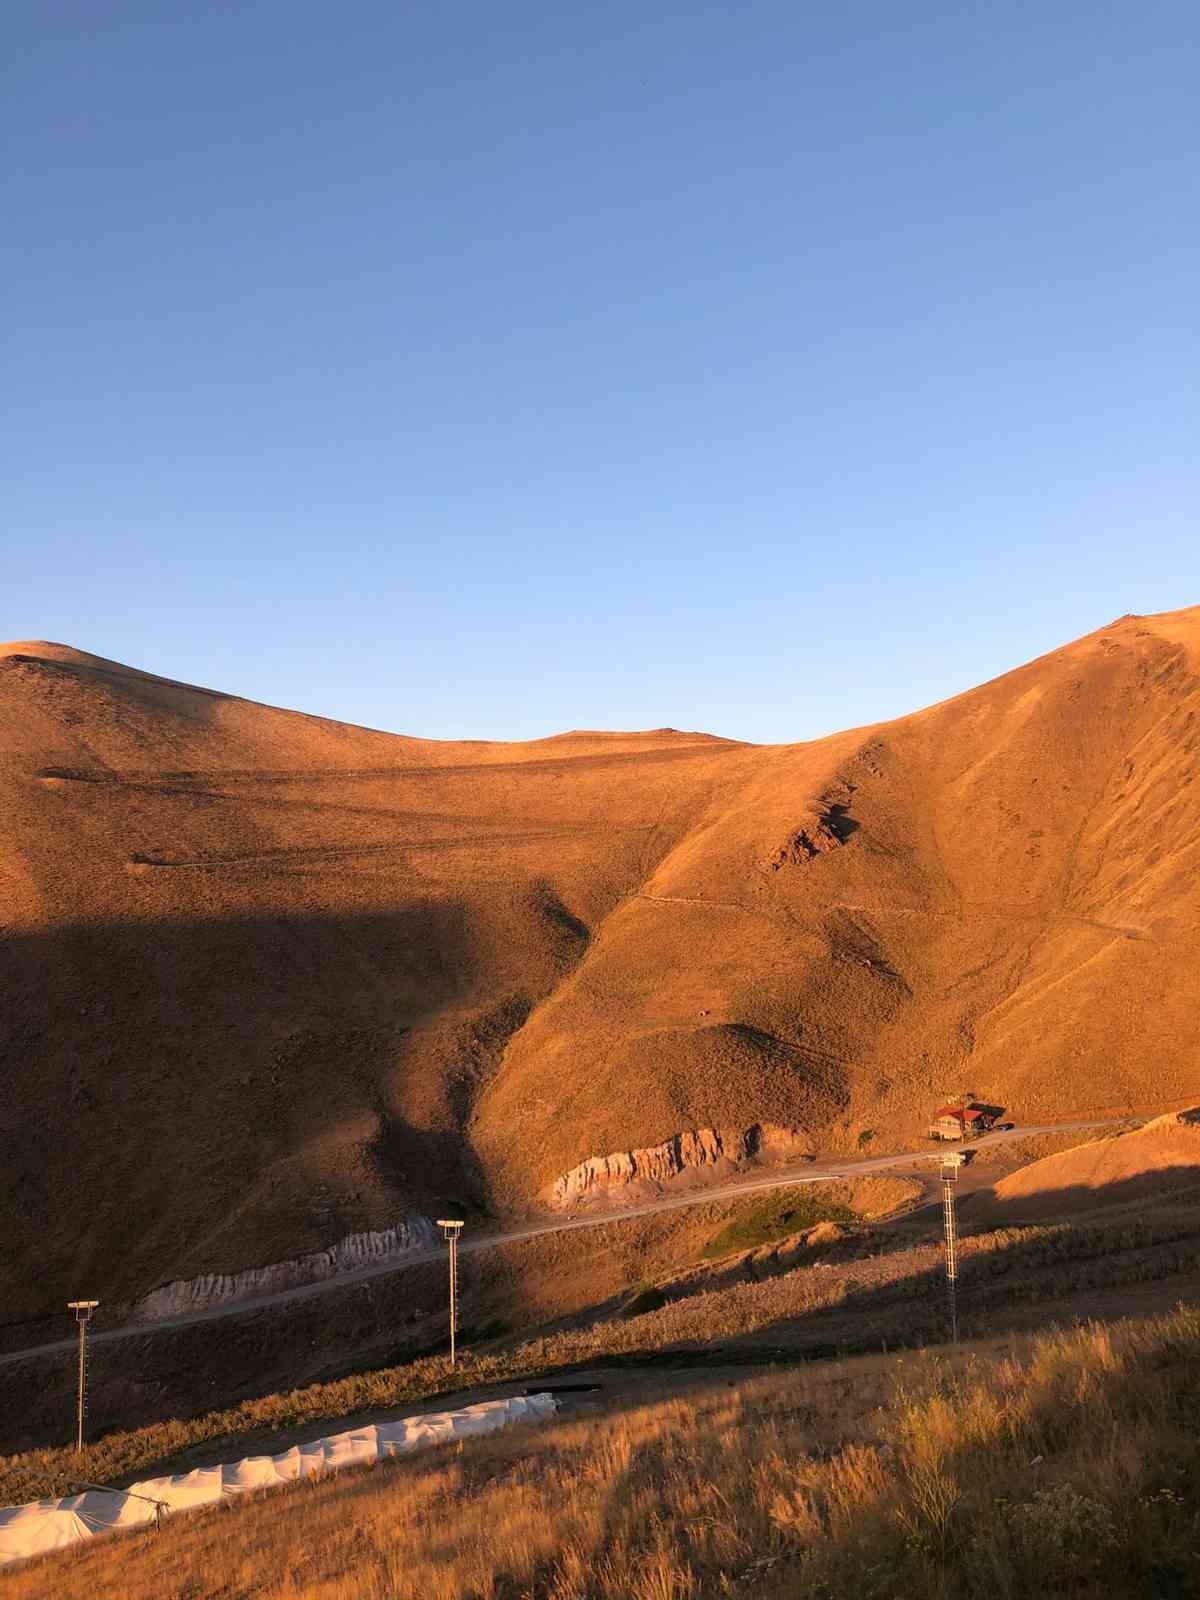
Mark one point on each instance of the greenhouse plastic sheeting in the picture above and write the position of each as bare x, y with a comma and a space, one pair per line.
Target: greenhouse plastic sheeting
45, 1525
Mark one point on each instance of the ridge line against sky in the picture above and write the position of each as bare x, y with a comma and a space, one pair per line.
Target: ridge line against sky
485, 374
671, 728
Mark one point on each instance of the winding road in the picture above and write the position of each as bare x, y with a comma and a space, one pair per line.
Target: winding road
821, 1171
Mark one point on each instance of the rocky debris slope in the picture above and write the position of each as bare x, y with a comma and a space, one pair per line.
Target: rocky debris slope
407, 1238
603, 1177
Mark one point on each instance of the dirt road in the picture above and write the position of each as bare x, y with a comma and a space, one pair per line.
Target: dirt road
823, 1171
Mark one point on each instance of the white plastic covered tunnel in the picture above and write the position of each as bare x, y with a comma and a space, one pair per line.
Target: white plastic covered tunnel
47, 1525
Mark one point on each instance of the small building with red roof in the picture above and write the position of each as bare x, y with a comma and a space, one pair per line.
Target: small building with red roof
963, 1120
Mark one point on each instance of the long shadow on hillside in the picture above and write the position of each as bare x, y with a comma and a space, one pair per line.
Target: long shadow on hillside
900, 1295
185, 1371
1126, 1419
203, 1095
1076, 1411
1058, 1203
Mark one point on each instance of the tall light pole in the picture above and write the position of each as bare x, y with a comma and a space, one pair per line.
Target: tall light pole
451, 1230
83, 1315
950, 1165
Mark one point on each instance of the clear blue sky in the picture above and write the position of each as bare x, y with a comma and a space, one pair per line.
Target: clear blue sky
494, 369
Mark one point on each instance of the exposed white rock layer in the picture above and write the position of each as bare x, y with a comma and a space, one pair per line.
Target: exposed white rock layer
599, 1176
407, 1238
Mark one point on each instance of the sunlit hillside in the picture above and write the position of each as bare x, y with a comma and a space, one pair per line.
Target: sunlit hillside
271, 979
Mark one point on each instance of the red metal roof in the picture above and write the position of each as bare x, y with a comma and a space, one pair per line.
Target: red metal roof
971, 1114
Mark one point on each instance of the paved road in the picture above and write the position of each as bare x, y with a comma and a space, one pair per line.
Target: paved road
823, 1171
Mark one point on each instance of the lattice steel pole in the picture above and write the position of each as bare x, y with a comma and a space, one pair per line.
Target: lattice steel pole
451, 1230
83, 1315
950, 1166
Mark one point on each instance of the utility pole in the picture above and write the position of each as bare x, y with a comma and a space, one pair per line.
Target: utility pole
451, 1231
83, 1315
950, 1165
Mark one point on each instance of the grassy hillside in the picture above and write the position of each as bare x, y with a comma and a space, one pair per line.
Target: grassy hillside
271, 979
1141, 1165
187, 1371
1072, 1468
826, 1292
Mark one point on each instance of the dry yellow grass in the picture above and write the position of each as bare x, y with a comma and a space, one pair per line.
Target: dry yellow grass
764, 1304
1130, 1168
518, 1286
270, 979
555, 1275
1072, 1469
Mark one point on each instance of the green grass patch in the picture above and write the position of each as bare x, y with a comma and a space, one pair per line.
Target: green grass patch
776, 1216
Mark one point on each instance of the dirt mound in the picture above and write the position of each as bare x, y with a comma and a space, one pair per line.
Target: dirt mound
1146, 1163
272, 980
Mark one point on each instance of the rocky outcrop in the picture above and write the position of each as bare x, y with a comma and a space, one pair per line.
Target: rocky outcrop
599, 1177
407, 1238
830, 828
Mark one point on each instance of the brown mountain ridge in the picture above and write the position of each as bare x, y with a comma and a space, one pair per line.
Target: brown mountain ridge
270, 979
